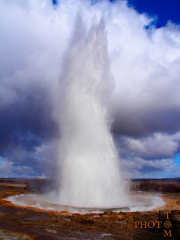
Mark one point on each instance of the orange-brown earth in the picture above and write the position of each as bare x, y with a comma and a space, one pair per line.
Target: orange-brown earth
18, 222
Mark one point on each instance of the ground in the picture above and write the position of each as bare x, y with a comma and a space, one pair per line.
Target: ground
18, 222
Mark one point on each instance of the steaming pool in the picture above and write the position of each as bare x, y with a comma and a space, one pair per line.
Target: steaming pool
139, 202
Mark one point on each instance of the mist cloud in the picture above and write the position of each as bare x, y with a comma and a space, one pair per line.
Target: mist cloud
144, 103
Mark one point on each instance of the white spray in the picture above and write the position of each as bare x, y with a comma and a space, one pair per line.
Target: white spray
88, 158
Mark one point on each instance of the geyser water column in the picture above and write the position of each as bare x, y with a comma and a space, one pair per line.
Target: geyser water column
88, 159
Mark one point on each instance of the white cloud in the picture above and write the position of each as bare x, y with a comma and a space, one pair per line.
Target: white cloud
139, 167
158, 145
151, 155
9, 170
144, 63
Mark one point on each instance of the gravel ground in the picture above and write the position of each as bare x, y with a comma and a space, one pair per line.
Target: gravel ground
12, 236
26, 223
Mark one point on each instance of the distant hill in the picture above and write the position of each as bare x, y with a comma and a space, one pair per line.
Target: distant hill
155, 179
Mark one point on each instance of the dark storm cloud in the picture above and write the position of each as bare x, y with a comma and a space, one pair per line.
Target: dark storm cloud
23, 116
146, 122
27, 120
26, 124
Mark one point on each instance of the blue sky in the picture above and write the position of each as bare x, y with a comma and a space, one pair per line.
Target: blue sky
177, 159
165, 10
144, 51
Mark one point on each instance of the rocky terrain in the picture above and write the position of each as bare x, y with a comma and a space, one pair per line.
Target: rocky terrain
18, 222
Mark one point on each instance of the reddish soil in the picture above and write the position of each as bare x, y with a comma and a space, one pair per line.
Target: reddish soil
17, 222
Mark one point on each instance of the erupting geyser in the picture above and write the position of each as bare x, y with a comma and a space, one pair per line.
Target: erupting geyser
90, 175
90, 178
